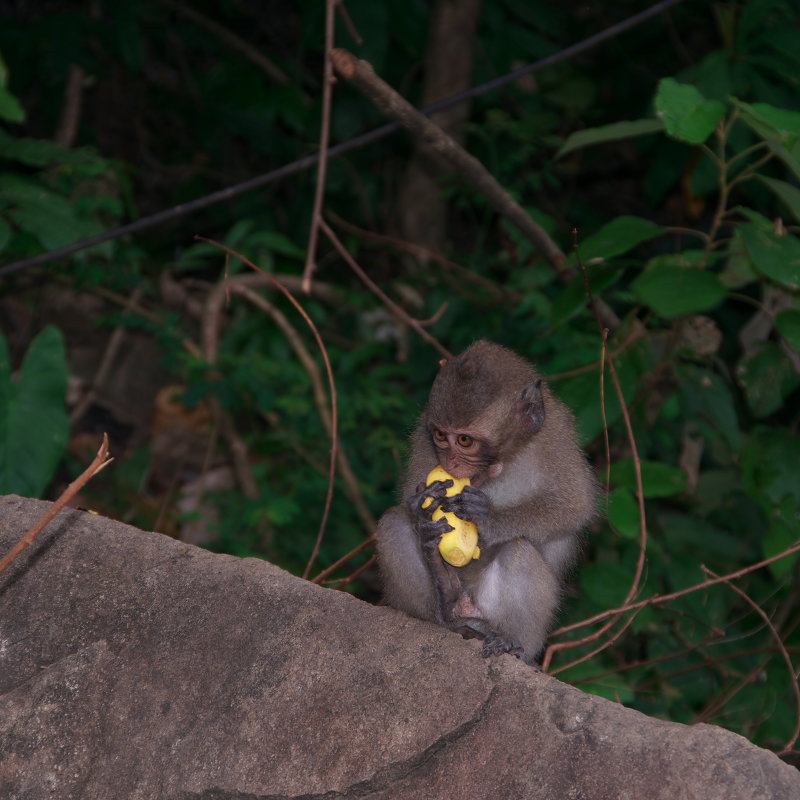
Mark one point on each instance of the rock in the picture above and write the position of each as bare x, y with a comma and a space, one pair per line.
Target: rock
135, 666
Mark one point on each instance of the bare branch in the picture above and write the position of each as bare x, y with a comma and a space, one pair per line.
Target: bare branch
388, 302
100, 461
324, 137
362, 76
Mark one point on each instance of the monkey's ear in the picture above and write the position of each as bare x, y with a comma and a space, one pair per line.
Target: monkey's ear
531, 406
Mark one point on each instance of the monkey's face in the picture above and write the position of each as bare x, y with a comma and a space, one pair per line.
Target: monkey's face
464, 455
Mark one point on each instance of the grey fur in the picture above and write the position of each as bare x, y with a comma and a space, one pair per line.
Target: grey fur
538, 505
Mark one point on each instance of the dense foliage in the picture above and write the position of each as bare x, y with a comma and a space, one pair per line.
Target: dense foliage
673, 150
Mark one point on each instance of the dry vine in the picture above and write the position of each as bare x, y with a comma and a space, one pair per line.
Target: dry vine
101, 460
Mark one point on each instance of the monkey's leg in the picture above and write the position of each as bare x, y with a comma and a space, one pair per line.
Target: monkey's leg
517, 595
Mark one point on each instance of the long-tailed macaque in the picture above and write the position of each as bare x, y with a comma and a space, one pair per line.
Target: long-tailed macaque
491, 419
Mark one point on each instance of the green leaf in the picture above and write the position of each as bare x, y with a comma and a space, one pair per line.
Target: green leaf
777, 257
672, 291
771, 466
686, 114
786, 192
658, 480
771, 123
41, 152
33, 420
52, 219
10, 108
768, 378
615, 238
707, 397
573, 298
782, 534
609, 133
582, 395
788, 325
280, 244
623, 513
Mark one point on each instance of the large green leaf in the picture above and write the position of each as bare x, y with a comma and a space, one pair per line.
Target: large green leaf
706, 398
777, 257
786, 192
52, 219
771, 476
771, 123
33, 420
686, 114
609, 133
617, 237
623, 512
673, 291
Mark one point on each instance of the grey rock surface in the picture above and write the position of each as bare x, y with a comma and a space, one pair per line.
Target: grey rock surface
135, 666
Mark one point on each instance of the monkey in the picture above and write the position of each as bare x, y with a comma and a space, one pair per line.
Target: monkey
491, 418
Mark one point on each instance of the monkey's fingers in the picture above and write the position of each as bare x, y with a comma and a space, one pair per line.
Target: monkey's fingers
430, 532
471, 504
437, 488
428, 498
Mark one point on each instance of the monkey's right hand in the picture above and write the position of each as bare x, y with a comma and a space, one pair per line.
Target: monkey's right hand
429, 531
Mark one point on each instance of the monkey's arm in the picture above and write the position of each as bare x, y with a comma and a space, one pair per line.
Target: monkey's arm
552, 513
415, 577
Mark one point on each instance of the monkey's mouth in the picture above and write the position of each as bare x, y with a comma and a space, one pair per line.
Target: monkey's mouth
478, 479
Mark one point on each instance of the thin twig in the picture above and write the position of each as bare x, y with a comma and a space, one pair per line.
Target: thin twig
602, 647
348, 22
637, 331
229, 192
637, 465
425, 253
344, 559
115, 342
552, 649
67, 129
233, 41
388, 302
352, 489
324, 138
362, 75
339, 582
781, 647
100, 461
331, 385
658, 599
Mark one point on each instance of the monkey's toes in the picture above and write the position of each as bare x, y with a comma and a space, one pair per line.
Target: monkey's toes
495, 645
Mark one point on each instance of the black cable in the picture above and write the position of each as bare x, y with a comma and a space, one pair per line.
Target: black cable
337, 150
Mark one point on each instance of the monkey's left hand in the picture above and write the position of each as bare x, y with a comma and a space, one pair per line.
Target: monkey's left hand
471, 505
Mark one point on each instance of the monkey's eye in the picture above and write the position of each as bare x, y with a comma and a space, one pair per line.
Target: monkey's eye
464, 440
439, 435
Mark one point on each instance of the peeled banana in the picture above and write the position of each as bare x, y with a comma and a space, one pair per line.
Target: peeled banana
459, 546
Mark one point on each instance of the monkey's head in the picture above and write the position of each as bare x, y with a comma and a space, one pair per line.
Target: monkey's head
484, 405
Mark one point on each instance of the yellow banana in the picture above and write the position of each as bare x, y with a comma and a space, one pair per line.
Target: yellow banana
459, 546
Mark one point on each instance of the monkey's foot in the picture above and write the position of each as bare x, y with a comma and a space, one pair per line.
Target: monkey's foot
494, 645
